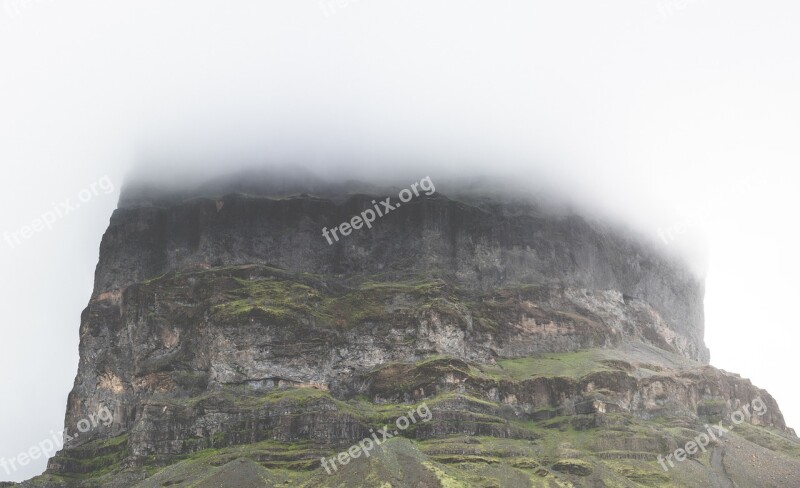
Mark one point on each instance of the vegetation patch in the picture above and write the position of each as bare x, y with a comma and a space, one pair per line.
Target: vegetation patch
575, 467
573, 365
446, 480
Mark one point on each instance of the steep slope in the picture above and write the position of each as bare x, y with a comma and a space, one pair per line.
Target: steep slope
236, 347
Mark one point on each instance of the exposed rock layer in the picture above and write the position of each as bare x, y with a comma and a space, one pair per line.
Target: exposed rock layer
227, 336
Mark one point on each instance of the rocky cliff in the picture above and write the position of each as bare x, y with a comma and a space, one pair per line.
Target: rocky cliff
236, 347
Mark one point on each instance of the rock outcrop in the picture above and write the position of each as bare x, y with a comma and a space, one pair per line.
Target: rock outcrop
231, 341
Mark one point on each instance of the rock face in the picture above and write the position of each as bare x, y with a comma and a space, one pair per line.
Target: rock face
481, 247
231, 341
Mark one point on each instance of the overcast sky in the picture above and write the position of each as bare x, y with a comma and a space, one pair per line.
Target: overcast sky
675, 116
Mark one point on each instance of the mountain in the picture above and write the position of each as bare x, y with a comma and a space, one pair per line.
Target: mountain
465, 338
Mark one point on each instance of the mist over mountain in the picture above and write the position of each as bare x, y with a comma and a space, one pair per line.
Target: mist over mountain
259, 328
657, 134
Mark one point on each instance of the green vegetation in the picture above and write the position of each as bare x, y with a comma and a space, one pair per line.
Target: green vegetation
769, 439
570, 365
446, 480
560, 451
96, 458
271, 294
271, 300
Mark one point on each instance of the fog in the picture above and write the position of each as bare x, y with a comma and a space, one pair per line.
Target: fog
680, 119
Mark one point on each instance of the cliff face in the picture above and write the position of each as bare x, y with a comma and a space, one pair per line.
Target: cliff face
223, 327
477, 247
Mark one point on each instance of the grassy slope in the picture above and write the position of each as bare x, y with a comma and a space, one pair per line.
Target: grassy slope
564, 452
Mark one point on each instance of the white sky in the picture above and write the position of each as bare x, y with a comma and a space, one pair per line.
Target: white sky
655, 114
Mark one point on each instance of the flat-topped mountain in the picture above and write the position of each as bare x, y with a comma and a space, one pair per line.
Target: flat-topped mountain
237, 345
